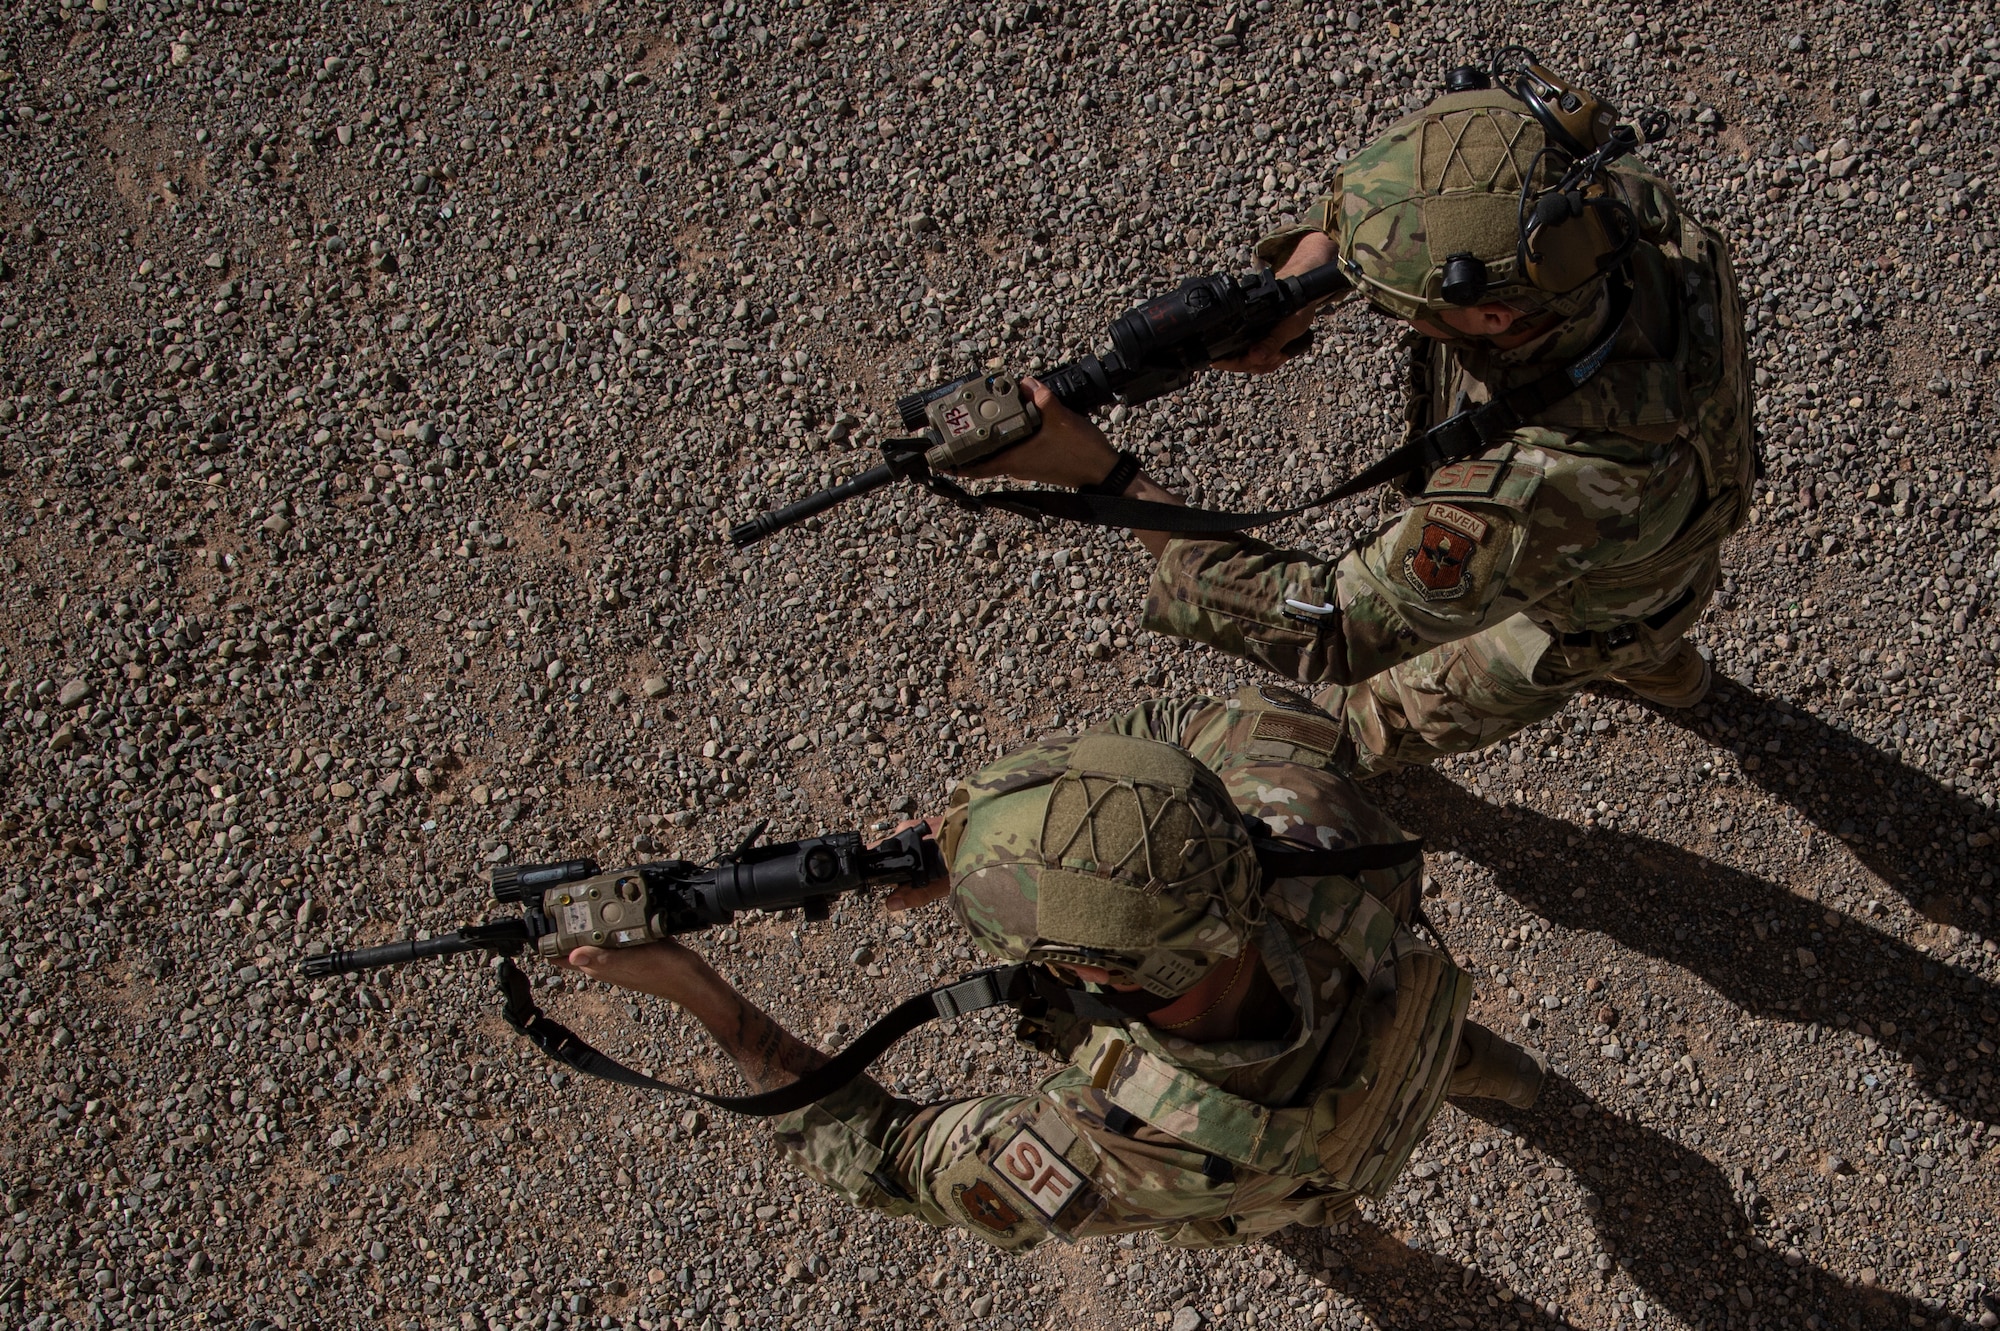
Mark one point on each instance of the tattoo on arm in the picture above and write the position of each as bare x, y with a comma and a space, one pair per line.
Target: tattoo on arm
768, 1055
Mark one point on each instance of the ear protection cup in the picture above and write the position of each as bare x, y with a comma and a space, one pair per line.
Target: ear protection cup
1577, 121
1579, 230
1570, 237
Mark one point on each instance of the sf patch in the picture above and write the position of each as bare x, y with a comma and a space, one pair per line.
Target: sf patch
1473, 477
1038, 1172
1436, 568
985, 1207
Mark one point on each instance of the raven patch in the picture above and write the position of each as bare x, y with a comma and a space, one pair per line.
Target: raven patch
1467, 524
1436, 568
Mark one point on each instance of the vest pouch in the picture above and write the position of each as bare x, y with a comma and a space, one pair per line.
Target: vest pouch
1651, 203
1194, 1110
1722, 429
1363, 1136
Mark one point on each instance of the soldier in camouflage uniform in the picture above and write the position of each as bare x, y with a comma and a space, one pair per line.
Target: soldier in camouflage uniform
1582, 546
1288, 1039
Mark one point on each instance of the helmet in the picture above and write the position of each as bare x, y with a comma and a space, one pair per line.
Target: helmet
1446, 209
1107, 851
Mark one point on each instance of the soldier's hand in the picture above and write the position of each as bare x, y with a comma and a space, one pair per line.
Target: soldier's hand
913, 898
1270, 354
664, 970
1068, 450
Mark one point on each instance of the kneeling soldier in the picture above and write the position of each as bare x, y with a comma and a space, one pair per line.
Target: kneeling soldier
1262, 1036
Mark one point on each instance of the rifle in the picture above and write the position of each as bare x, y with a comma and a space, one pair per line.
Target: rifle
572, 904
1156, 349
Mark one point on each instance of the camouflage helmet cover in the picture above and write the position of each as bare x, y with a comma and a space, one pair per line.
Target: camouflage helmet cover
1107, 851
1448, 181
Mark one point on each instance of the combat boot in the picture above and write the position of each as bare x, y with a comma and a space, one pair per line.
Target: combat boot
1492, 1068
1680, 681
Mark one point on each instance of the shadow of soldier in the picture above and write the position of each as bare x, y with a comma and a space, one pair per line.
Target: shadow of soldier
1766, 950
1672, 1221
1398, 1285
1666, 1216
1912, 830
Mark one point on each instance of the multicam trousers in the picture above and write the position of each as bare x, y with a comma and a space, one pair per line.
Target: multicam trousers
1477, 691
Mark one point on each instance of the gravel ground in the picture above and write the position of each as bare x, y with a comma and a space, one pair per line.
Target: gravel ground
378, 380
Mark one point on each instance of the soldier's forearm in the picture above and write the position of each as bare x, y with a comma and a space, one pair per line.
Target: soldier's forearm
1145, 487
768, 1055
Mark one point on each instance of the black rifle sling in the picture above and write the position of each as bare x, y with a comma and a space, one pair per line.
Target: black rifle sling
1017, 984
1288, 859
1020, 985
1466, 434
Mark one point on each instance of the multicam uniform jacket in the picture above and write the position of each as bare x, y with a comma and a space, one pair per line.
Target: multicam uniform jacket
1584, 544
1209, 1144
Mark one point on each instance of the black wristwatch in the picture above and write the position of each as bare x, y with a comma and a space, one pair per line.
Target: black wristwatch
1116, 479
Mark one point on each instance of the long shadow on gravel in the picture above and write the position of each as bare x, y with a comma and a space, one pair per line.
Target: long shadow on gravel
1401, 1286
1672, 1219
1667, 1215
1748, 938
1906, 825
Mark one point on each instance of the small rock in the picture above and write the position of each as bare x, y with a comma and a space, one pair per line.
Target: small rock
75, 693
343, 790
982, 1306
1186, 1319
655, 686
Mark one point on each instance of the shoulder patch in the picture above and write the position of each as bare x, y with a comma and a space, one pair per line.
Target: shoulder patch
984, 1206
1474, 477
1469, 525
1436, 569
1320, 733
1509, 477
1035, 1170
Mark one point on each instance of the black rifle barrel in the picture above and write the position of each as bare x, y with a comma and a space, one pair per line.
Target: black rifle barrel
393, 954
757, 528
